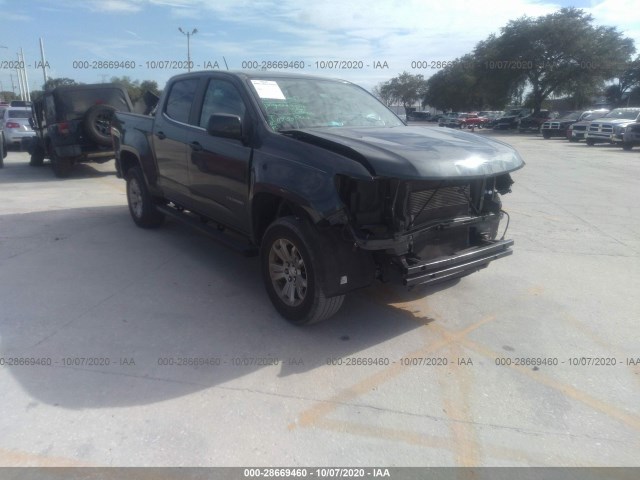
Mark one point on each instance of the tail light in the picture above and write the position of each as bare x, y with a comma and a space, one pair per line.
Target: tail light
63, 128
12, 125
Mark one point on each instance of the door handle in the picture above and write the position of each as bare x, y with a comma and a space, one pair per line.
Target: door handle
196, 146
161, 135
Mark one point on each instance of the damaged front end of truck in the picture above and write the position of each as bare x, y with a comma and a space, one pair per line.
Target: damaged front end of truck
428, 231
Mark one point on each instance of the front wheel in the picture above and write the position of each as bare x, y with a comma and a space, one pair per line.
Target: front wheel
289, 271
141, 207
590, 142
627, 146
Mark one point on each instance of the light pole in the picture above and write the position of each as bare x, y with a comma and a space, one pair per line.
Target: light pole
1, 87
188, 34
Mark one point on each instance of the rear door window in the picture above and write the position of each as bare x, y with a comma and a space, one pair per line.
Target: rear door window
180, 99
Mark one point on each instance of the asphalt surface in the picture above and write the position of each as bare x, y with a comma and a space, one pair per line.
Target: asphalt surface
110, 320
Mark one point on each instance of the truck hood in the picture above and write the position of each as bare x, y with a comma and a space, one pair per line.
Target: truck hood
414, 152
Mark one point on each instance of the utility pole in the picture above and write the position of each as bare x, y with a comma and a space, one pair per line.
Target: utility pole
44, 70
188, 34
1, 88
25, 78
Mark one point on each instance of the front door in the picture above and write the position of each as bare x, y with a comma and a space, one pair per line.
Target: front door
219, 167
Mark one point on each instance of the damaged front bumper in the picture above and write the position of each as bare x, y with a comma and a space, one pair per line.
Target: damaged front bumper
433, 271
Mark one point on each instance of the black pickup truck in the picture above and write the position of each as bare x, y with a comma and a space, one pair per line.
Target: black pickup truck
320, 179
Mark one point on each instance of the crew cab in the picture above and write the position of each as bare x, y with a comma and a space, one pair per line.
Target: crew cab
320, 179
610, 128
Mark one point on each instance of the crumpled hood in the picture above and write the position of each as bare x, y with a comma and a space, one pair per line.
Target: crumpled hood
414, 152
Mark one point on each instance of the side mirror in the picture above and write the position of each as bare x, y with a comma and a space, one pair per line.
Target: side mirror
225, 125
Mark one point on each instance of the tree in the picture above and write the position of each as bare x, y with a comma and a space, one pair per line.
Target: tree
131, 86
382, 94
406, 89
136, 88
548, 54
618, 93
149, 86
7, 96
58, 82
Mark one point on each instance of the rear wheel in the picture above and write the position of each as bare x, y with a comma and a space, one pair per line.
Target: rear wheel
289, 270
37, 156
590, 142
546, 136
627, 146
141, 207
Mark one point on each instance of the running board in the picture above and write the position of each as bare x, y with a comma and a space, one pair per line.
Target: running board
245, 249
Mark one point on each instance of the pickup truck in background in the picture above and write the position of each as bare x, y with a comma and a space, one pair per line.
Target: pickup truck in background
320, 179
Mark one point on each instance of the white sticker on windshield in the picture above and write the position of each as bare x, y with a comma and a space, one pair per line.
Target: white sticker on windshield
268, 89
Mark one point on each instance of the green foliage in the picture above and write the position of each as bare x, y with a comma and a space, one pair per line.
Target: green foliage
7, 96
58, 82
405, 89
628, 79
136, 88
562, 53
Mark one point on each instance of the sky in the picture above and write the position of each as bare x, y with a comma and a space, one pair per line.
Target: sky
364, 41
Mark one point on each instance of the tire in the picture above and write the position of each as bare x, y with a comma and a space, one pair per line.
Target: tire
97, 124
546, 136
37, 157
289, 262
61, 166
141, 207
573, 140
590, 142
627, 146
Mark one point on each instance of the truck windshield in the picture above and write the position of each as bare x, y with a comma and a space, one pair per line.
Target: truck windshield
295, 103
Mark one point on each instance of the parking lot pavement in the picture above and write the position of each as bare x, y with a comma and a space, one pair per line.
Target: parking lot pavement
123, 347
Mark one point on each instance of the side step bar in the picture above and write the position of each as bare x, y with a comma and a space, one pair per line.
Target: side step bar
245, 249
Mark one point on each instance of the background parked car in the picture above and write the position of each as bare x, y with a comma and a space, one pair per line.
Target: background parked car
534, 121
578, 130
610, 128
631, 137
419, 116
469, 120
510, 119
558, 127
448, 119
15, 124
3, 149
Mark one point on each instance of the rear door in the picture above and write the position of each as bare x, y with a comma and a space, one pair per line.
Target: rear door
169, 139
219, 167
